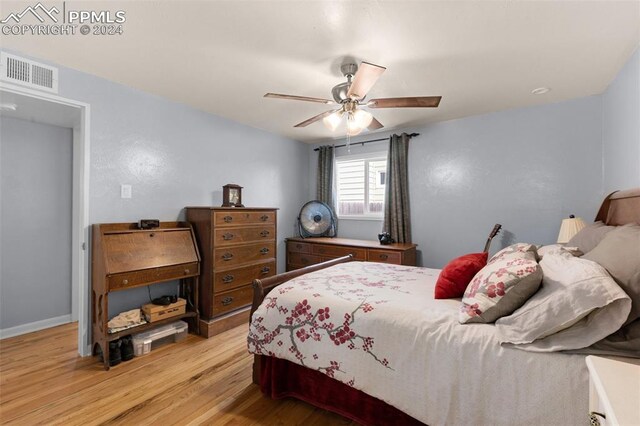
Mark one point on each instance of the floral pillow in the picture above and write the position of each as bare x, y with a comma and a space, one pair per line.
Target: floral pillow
500, 288
515, 251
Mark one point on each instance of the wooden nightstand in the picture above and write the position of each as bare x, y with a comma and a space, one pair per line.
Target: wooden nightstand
614, 390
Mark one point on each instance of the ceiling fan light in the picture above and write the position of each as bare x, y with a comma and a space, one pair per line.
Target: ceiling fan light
332, 121
353, 128
353, 132
362, 118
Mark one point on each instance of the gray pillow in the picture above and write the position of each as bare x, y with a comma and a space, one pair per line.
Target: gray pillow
619, 254
589, 236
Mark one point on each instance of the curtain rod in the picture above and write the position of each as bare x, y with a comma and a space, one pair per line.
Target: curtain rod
411, 135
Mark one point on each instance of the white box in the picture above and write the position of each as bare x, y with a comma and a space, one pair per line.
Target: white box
145, 342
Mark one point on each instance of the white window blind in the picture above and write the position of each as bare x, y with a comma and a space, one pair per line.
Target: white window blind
360, 186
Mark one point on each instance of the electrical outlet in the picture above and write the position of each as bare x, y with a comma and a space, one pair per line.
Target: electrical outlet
125, 191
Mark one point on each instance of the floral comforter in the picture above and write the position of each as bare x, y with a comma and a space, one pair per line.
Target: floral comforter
377, 328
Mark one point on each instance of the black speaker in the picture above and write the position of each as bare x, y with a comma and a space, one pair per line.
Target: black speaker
148, 223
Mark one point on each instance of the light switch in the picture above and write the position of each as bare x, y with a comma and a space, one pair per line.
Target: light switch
125, 191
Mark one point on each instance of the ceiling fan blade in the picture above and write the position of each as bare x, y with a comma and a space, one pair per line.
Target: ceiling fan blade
313, 119
411, 102
375, 124
299, 98
365, 78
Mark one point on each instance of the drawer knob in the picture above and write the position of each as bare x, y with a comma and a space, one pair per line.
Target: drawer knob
593, 418
187, 271
227, 278
228, 236
299, 246
264, 250
264, 218
384, 256
264, 233
227, 300
227, 219
265, 270
227, 256
125, 282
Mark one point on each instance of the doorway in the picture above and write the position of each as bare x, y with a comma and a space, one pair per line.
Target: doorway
43, 120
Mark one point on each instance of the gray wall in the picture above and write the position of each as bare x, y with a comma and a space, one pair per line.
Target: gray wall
524, 168
621, 128
177, 156
35, 221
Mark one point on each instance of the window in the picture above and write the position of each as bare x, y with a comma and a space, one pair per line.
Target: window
360, 183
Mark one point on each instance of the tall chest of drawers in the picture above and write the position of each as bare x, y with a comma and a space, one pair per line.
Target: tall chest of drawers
237, 245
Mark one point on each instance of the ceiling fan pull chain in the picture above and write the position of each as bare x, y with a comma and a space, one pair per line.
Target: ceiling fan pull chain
349, 117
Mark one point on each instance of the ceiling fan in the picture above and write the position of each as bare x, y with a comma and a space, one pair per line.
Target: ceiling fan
350, 96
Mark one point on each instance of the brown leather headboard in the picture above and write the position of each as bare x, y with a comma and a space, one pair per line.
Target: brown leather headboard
620, 208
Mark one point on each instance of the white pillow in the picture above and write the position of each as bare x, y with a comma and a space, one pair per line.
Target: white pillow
543, 250
577, 305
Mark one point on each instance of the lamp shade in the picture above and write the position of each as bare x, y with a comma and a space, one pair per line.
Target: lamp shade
362, 118
332, 121
569, 228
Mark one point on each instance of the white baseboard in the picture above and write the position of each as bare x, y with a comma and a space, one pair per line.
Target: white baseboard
34, 326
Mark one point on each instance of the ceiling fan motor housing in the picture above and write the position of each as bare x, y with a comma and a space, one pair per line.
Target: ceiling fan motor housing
339, 91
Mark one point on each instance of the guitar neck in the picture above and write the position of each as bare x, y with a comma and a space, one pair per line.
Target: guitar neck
492, 234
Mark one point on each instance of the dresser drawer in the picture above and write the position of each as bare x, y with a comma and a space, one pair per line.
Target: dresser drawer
296, 247
385, 256
337, 251
226, 236
303, 259
232, 300
149, 276
234, 278
237, 217
227, 257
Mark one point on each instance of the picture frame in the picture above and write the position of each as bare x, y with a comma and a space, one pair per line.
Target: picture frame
232, 195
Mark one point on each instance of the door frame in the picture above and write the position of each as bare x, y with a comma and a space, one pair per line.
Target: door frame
79, 210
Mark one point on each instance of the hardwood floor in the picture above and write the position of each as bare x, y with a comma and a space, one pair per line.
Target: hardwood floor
199, 381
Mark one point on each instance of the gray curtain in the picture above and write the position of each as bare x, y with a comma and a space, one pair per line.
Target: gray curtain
324, 179
325, 191
397, 219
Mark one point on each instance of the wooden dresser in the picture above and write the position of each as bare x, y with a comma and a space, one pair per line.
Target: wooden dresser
238, 245
125, 257
303, 252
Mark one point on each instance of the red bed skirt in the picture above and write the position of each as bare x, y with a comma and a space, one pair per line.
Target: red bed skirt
280, 379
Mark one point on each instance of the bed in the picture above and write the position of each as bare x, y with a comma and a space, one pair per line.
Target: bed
369, 341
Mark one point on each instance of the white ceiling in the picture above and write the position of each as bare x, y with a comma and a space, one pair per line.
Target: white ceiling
222, 56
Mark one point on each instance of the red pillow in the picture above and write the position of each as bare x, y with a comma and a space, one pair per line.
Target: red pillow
455, 277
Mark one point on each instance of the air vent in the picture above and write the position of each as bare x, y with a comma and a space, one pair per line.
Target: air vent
25, 72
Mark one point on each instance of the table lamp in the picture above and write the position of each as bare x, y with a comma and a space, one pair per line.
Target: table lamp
569, 228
